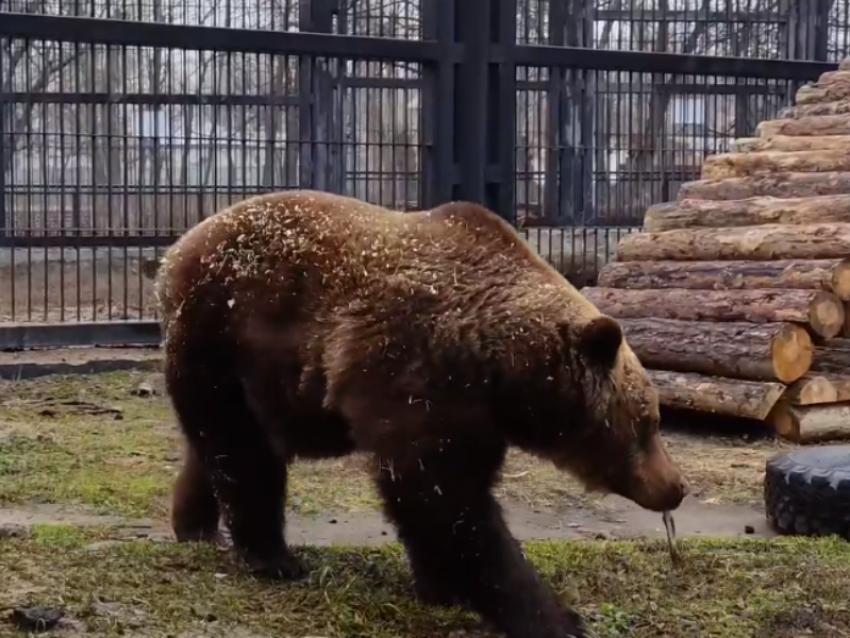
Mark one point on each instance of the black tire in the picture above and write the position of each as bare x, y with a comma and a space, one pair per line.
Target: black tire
807, 491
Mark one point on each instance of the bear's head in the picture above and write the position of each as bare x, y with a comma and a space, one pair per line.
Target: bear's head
601, 422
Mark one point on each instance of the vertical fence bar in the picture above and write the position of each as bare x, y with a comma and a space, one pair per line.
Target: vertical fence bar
470, 99
557, 180
485, 103
439, 170
502, 117
4, 226
306, 177
821, 29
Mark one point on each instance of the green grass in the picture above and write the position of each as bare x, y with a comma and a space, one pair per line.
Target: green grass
741, 589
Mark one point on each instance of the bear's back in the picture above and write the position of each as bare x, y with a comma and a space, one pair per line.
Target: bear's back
347, 246
302, 256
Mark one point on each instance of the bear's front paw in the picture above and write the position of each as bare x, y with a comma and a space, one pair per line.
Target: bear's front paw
432, 594
563, 623
284, 567
210, 535
572, 626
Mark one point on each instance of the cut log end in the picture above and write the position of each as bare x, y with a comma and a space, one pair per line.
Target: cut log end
826, 315
841, 279
792, 352
819, 387
812, 389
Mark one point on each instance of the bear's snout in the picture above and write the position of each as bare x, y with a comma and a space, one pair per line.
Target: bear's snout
660, 485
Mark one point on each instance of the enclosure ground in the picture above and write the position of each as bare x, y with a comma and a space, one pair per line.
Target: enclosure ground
86, 460
140, 588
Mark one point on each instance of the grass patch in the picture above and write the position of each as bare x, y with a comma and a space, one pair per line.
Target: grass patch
740, 589
56, 446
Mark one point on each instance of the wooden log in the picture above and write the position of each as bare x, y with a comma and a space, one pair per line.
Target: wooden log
726, 165
832, 89
754, 211
759, 352
729, 397
820, 311
807, 125
832, 358
809, 424
787, 274
754, 243
767, 185
798, 111
793, 144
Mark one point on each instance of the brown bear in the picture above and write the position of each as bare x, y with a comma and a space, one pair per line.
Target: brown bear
304, 324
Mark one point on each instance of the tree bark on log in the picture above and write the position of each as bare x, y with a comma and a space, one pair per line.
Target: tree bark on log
716, 395
832, 275
793, 144
832, 358
768, 185
727, 165
798, 111
845, 329
820, 311
753, 243
759, 352
754, 211
809, 424
806, 125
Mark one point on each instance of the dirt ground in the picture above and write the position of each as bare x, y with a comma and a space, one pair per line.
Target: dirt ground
86, 466
71, 285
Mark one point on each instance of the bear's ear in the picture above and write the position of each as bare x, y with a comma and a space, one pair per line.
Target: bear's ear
600, 340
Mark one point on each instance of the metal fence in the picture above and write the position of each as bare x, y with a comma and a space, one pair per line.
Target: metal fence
122, 123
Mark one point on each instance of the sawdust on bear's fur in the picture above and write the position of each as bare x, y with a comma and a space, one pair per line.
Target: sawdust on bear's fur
309, 324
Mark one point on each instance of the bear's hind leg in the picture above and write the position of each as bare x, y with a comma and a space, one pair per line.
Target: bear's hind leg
194, 510
247, 476
458, 543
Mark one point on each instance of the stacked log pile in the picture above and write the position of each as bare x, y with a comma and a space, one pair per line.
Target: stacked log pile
736, 296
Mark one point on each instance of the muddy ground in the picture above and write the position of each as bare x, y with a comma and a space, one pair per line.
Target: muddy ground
87, 461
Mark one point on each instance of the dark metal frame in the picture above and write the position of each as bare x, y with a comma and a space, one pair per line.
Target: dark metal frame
469, 95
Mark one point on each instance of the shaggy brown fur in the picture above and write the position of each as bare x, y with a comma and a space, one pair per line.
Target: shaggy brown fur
304, 324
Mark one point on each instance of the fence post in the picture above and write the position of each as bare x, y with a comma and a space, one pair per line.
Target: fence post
502, 120
821, 18
812, 30
485, 103
472, 19
5, 230
319, 156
